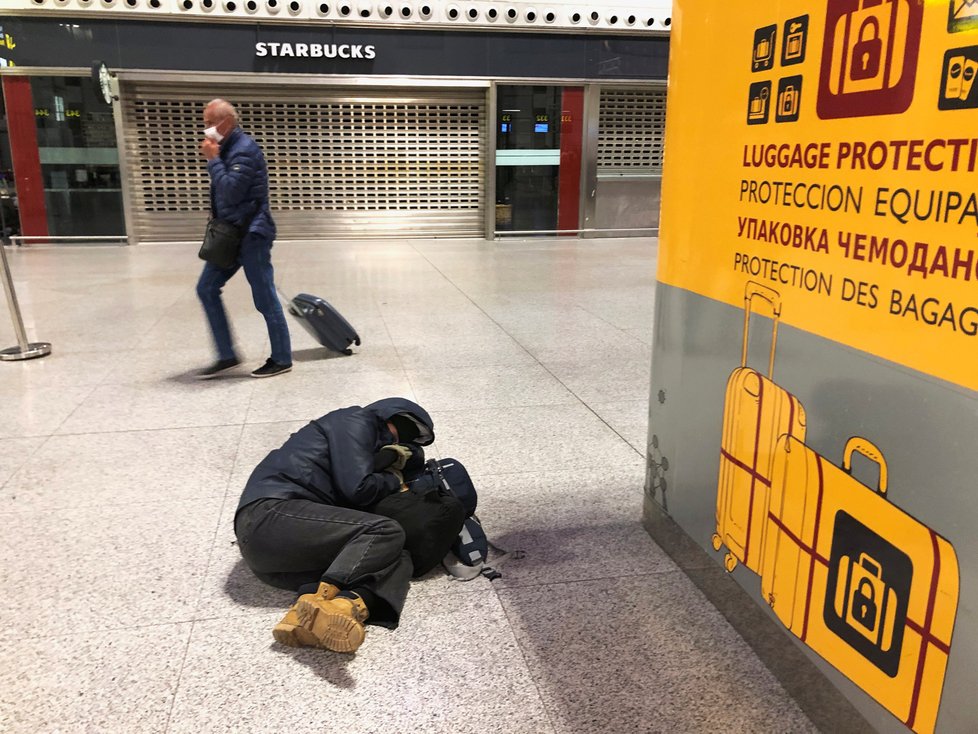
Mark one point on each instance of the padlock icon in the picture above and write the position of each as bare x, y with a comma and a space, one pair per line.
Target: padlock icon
867, 52
864, 602
869, 47
864, 609
788, 102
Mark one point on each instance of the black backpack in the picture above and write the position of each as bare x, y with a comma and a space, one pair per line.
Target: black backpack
431, 517
469, 553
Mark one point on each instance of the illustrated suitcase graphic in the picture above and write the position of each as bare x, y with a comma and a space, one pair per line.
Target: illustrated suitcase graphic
865, 585
324, 323
756, 412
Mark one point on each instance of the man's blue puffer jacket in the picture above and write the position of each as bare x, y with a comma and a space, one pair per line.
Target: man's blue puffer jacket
239, 184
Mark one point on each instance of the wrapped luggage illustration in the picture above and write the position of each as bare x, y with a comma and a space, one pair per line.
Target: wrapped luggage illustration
869, 588
866, 586
756, 413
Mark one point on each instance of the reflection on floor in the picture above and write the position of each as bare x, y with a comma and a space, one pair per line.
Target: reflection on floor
124, 606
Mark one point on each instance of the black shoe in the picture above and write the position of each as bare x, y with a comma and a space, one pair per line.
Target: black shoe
219, 367
271, 368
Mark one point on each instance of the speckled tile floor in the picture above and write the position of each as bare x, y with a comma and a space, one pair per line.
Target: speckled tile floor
124, 606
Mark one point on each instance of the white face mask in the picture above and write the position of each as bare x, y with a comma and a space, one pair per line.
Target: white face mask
213, 134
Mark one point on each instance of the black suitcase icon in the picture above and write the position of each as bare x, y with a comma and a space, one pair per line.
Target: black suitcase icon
324, 323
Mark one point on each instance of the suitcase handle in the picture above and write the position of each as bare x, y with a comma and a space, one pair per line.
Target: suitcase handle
774, 299
871, 452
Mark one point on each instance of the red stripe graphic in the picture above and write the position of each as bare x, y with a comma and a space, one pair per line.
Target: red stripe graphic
741, 465
928, 620
794, 538
940, 645
791, 414
753, 471
811, 568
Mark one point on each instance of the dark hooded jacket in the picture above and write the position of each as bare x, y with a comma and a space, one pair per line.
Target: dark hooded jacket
331, 460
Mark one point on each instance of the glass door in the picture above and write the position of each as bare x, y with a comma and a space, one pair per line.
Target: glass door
79, 158
538, 158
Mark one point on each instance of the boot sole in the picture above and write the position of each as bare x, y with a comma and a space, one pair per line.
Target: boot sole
333, 631
294, 636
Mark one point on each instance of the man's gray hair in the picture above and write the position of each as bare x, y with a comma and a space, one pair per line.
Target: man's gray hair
225, 108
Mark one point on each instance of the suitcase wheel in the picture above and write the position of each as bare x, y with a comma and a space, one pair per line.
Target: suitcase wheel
717, 542
357, 341
729, 562
347, 351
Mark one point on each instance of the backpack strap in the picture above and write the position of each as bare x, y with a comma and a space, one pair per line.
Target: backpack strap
420, 484
492, 572
435, 468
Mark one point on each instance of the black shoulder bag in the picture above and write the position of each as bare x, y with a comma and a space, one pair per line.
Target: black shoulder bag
431, 517
222, 241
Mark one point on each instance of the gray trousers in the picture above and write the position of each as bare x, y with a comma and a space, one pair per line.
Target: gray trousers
291, 543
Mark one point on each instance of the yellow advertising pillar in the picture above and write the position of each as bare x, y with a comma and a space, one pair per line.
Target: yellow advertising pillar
815, 362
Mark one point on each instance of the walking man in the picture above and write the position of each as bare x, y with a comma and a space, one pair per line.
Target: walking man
239, 194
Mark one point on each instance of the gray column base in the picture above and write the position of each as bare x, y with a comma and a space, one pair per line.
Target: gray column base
821, 701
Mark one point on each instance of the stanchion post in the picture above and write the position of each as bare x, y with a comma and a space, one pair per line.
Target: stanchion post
24, 349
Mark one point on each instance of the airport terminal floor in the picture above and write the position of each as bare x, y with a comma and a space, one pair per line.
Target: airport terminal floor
125, 606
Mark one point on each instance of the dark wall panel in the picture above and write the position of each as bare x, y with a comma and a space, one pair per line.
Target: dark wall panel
138, 44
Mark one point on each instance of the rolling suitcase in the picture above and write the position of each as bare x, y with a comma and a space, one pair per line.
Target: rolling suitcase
324, 323
756, 412
869, 588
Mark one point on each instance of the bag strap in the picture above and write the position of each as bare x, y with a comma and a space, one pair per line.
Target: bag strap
246, 222
435, 468
440, 484
431, 467
491, 572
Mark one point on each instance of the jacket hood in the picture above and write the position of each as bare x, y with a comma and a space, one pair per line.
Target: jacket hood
389, 407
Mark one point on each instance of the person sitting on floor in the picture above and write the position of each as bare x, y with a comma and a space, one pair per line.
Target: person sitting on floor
301, 523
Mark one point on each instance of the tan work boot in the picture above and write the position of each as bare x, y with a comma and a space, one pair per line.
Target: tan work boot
337, 623
290, 632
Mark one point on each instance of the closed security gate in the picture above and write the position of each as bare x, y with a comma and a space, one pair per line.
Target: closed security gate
631, 129
342, 162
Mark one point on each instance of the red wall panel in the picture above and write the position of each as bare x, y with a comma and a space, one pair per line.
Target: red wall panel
571, 143
22, 129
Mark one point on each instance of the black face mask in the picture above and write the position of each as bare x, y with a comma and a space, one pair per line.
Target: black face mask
407, 429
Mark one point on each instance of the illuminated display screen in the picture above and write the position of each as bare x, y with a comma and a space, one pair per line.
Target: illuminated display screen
541, 127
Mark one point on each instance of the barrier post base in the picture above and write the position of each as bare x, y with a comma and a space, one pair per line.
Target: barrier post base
33, 351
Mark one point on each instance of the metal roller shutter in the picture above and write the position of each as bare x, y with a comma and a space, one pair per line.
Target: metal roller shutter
631, 131
342, 163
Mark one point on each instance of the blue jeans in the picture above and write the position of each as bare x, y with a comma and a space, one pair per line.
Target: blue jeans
256, 258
